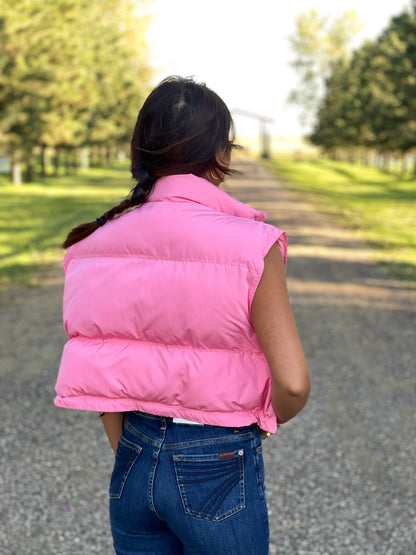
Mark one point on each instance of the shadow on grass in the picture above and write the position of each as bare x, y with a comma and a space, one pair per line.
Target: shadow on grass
402, 271
36, 217
328, 165
393, 187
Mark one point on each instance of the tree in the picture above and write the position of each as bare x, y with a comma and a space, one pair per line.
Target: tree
370, 102
345, 116
395, 86
72, 73
317, 43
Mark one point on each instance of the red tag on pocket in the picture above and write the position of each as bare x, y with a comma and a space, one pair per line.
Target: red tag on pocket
227, 456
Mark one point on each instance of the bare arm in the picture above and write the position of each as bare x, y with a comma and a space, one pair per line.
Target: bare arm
113, 425
276, 330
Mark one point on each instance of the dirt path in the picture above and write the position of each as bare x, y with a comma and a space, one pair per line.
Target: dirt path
340, 476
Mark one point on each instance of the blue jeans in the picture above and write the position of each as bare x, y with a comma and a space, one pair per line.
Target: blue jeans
183, 489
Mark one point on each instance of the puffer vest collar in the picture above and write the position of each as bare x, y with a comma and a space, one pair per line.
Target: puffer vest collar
190, 188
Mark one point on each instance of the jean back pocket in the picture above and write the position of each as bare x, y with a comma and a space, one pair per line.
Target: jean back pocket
127, 454
211, 486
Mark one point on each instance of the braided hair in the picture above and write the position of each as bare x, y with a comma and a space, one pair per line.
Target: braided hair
138, 196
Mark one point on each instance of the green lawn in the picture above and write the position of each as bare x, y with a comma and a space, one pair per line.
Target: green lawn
379, 206
36, 217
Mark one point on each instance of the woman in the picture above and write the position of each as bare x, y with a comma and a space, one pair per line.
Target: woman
181, 336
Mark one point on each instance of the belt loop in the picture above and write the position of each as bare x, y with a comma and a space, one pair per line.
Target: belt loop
163, 423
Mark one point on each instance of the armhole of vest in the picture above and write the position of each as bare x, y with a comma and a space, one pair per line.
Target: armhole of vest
278, 236
66, 261
274, 235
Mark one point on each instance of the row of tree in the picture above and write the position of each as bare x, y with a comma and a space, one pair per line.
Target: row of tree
73, 74
369, 100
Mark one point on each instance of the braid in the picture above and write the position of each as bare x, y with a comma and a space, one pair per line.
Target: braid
145, 182
119, 209
138, 195
83, 230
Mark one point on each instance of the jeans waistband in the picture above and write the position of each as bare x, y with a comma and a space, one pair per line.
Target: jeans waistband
151, 428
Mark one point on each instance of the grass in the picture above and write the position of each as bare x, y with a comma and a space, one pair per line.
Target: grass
379, 206
36, 217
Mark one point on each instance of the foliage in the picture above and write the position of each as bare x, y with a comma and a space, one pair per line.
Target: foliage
317, 43
72, 73
370, 101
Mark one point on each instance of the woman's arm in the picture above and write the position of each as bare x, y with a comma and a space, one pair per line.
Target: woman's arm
275, 328
113, 425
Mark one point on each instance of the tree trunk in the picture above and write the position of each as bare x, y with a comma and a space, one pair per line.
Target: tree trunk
56, 163
67, 163
365, 158
43, 161
75, 160
29, 169
94, 156
404, 164
121, 155
84, 158
16, 172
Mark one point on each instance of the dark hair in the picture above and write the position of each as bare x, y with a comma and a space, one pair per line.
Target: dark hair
182, 127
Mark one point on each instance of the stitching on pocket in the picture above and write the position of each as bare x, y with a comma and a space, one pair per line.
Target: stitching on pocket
127, 454
211, 487
260, 468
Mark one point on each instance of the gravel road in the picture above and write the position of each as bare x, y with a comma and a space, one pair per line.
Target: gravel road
340, 477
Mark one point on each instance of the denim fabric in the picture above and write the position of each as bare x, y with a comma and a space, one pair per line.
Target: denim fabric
183, 489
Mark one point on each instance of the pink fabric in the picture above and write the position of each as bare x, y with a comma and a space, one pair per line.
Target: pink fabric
157, 310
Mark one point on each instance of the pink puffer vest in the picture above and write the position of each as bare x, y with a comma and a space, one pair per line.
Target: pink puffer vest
157, 310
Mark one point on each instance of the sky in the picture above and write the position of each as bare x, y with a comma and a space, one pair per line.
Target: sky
240, 49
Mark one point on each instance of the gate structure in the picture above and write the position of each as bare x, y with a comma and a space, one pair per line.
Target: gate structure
264, 136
